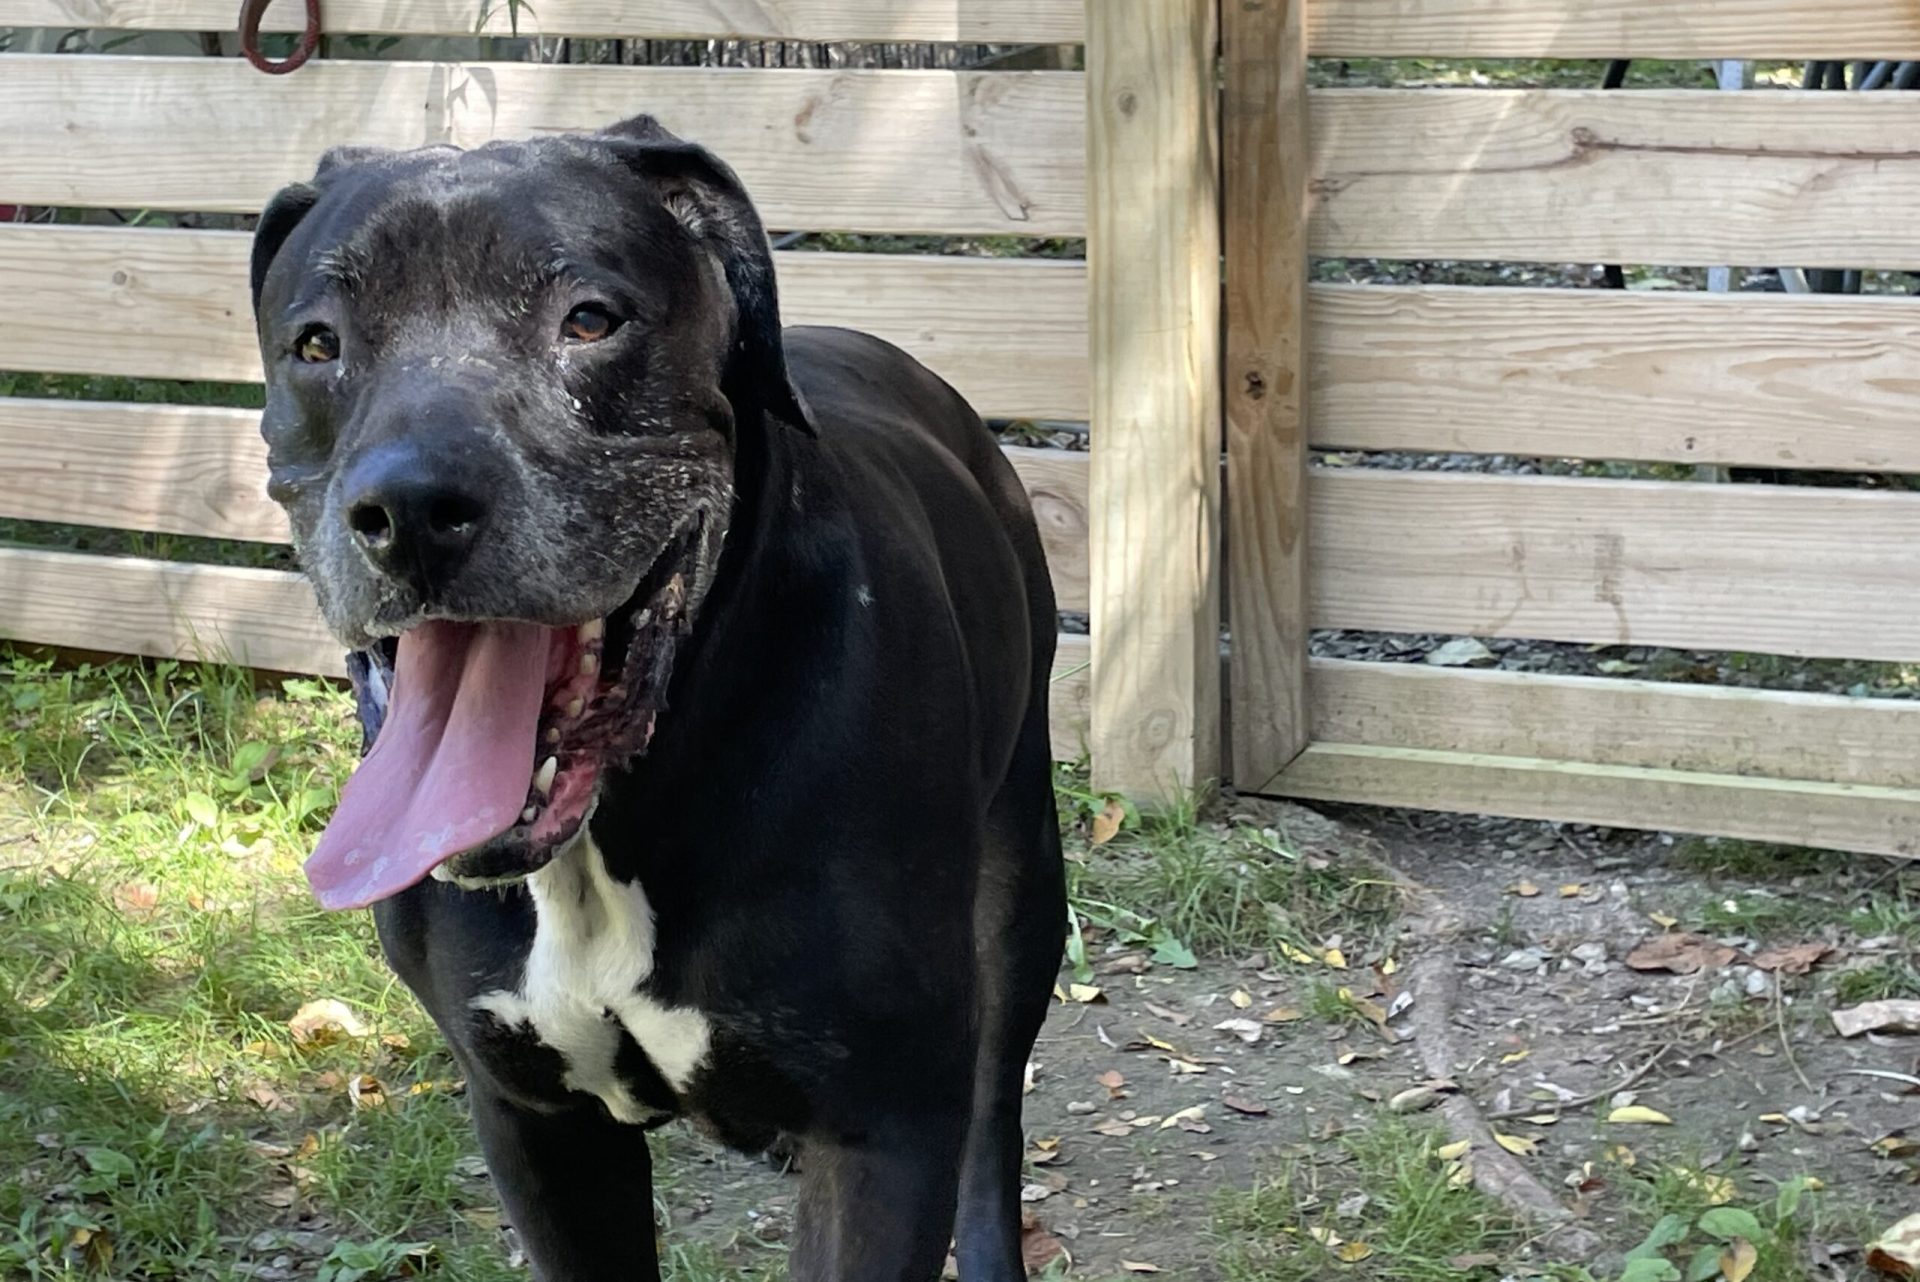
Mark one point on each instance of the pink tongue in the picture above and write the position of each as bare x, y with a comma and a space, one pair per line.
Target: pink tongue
451, 766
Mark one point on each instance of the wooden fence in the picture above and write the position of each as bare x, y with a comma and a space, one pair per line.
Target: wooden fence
1164, 175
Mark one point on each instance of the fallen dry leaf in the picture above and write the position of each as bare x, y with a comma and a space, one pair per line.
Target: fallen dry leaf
1038, 1246
266, 1097
1518, 1145
1172, 1016
1737, 1260
1284, 1015
1188, 1119
1665, 921
137, 898
1352, 1252
1573, 889
1514, 1057
1455, 1151
1794, 959
1683, 954
1639, 1115
1334, 958
1084, 993
1298, 955
1326, 1237
1115, 1081
1241, 1104
1247, 1030
1715, 1190
1525, 889
1897, 1253
1106, 824
1892, 1016
1240, 998
1139, 1266
323, 1022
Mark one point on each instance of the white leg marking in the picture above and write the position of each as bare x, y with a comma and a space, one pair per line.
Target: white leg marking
592, 948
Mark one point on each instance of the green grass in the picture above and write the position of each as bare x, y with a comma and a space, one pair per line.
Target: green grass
1176, 878
156, 1112
1415, 1225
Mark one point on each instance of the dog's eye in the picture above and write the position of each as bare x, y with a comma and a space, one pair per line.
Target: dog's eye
317, 345
588, 323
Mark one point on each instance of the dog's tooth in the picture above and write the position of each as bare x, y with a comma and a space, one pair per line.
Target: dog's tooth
574, 708
543, 778
589, 664
526, 816
440, 873
592, 630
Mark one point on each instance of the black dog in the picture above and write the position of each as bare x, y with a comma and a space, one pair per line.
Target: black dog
713, 668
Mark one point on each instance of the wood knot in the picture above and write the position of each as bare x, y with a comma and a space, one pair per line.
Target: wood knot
1256, 385
1128, 102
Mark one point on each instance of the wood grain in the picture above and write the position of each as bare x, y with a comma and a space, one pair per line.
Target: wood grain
1786, 29
984, 21
1072, 686
1009, 333
264, 619
1154, 324
165, 609
871, 151
1772, 569
1264, 166
1792, 381
1605, 721
179, 469
1792, 812
1681, 177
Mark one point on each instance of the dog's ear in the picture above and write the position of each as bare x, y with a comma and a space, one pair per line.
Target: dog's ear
282, 214
706, 197
292, 203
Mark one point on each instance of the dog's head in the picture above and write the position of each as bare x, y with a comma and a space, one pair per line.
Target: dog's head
504, 389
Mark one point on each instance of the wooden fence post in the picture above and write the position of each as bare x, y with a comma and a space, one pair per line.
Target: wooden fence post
1264, 124
1153, 266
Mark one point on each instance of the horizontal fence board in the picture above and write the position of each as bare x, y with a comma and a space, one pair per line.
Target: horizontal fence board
1774, 569
870, 151
1794, 812
1656, 176
1072, 695
165, 609
972, 21
1605, 721
178, 469
263, 619
1009, 333
1768, 380
1786, 29
167, 469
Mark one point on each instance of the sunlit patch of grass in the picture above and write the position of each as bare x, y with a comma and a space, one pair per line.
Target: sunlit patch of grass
157, 1115
1225, 889
1417, 1222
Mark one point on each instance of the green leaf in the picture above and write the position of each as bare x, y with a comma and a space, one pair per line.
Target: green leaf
110, 1162
201, 809
310, 800
248, 757
1670, 1229
1787, 1203
1705, 1264
1651, 1269
1730, 1222
1077, 949
1171, 952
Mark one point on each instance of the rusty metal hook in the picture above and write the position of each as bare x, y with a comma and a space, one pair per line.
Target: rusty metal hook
251, 12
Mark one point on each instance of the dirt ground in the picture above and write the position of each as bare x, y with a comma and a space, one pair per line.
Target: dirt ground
1143, 1109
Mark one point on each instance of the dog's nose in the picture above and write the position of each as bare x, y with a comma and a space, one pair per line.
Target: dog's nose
416, 519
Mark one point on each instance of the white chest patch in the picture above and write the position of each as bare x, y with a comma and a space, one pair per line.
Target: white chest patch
592, 949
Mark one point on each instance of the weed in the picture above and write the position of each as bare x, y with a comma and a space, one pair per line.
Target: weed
1395, 1211
1753, 860
1222, 889
1699, 1219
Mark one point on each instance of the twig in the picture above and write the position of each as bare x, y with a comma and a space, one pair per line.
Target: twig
1780, 1022
1891, 1076
1581, 1101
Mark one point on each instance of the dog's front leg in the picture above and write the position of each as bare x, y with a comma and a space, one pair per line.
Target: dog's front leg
577, 1186
879, 1207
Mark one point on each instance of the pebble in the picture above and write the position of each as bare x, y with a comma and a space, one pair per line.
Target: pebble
1525, 959
1590, 953
1079, 1107
1759, 983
